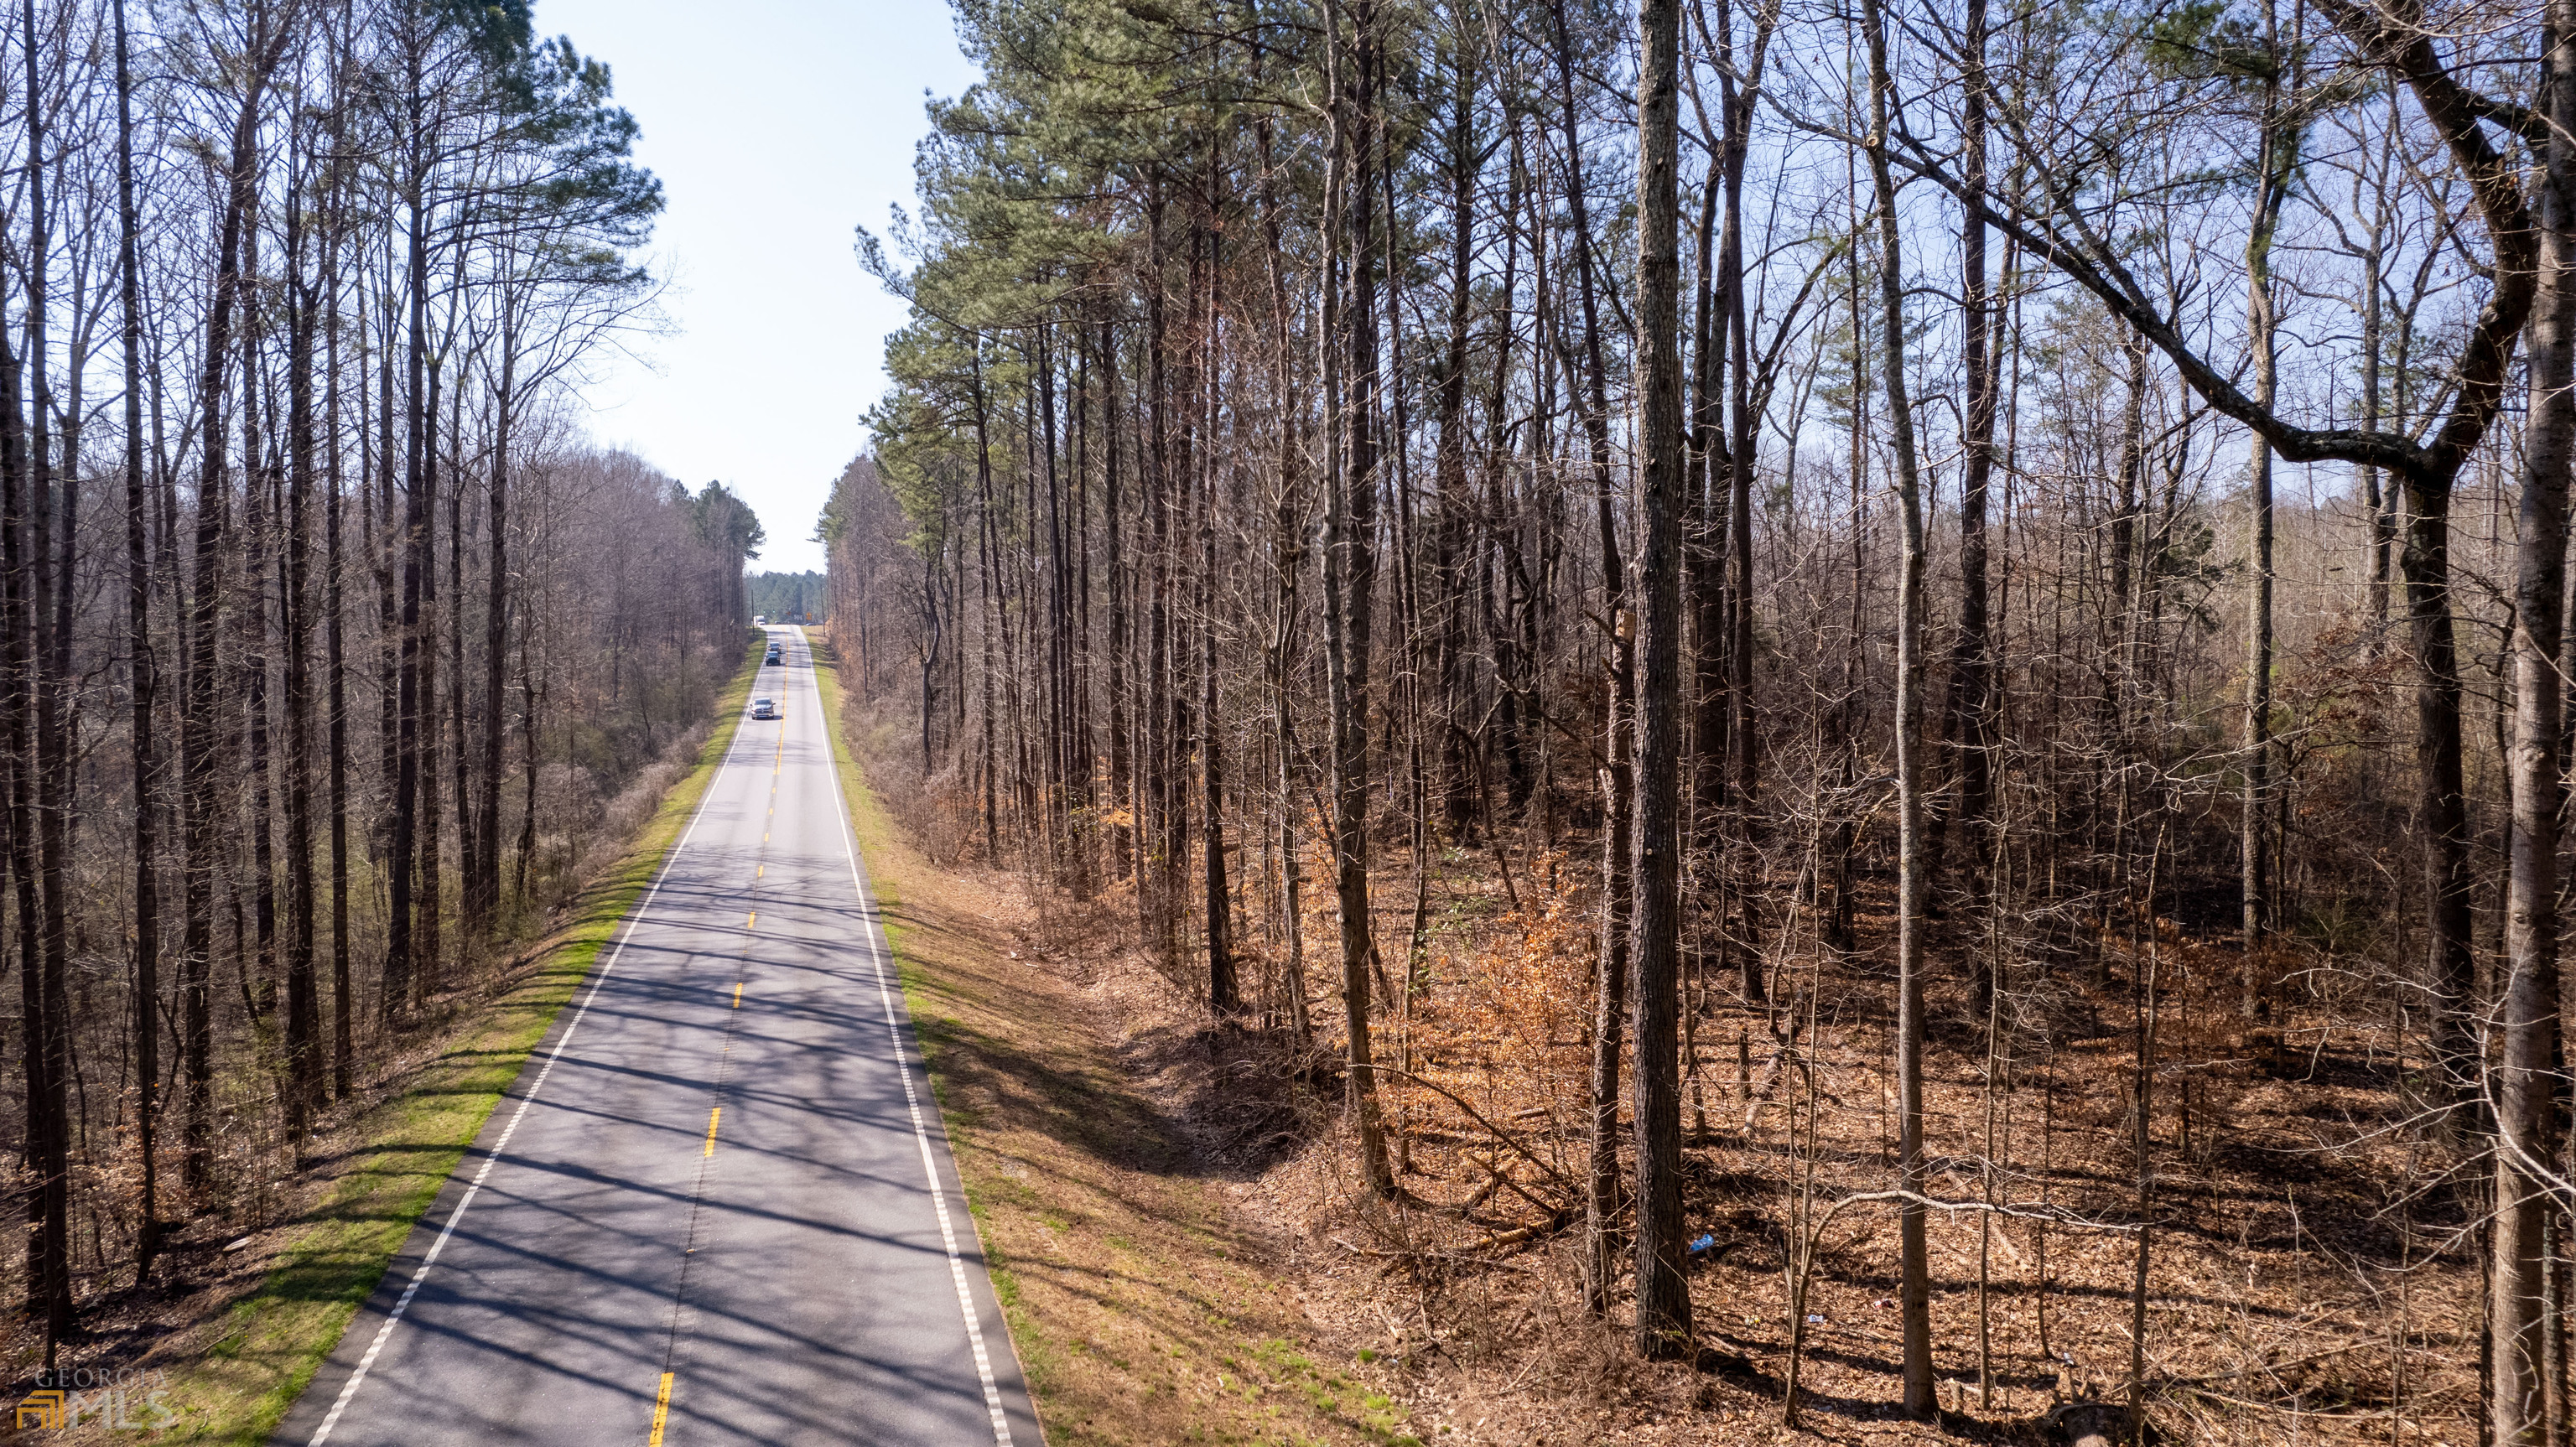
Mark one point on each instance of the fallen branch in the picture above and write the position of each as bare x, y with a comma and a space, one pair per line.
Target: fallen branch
1500, 1134
2054, 1215
2305, 1414
1493, 1182
1459, 1257
1503, 1179
2239, 1373
1520, 1235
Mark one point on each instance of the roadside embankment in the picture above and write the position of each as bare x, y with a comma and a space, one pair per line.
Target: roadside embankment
1142, 1310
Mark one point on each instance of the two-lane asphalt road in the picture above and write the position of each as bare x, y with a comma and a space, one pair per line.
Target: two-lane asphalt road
718, 1205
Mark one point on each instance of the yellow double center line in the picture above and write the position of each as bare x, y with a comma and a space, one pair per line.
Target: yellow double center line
661, 1411
750, 924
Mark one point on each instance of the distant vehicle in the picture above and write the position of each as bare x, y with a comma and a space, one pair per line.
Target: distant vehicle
759, 620
773, 655
763, 708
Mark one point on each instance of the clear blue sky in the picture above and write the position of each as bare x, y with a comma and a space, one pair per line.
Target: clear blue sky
776, 126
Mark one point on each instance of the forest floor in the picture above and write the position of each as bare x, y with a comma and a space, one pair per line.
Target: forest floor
245, 1303
2308, 1277
1173, 1207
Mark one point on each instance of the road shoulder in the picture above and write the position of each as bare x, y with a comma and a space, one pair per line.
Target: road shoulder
1141, 1310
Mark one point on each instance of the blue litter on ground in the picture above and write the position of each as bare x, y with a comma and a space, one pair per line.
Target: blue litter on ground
1702, 1244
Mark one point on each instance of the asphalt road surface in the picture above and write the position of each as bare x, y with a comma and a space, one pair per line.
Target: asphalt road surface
718, 1205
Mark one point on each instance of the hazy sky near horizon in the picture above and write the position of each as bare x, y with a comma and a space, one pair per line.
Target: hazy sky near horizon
776, 126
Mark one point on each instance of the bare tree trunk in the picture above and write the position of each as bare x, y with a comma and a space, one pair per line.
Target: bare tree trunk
386, 540
1663, 1295
259, 531
2528, 1089
483, 890
1914, 1290
1450, 503
2280, 142
1114, 522
1744, 745
2141, 1142
1968, 715
199, 742
343, 1009
303, 1005
1175, 491
22, 634
145, 670
1350, 534
429, 738
929, 651
1288, 560
2130, 572
26, 527
1704, 575
49, 1029
987, 566
2379, 491
2441, 803
1224, 995
402, 972
1156, 898
460, 734
1618, 777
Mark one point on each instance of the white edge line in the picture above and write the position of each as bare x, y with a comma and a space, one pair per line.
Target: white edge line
911, 1098
420, 1273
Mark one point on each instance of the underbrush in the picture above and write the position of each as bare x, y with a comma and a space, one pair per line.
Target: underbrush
2310, 1274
